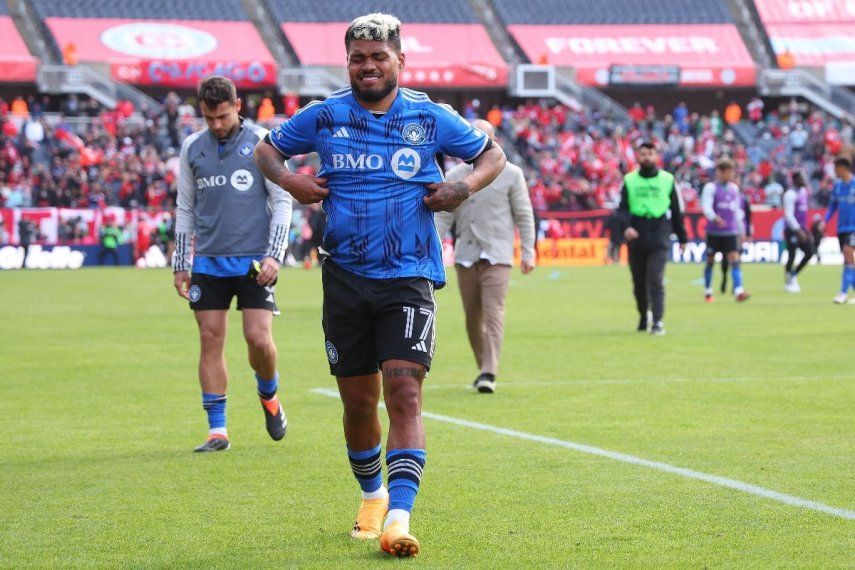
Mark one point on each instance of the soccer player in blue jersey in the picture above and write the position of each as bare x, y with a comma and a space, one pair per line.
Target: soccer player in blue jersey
234, 217
379, 182
843, 203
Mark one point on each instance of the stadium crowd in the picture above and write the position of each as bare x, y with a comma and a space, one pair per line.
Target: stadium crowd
575, 157
86, 156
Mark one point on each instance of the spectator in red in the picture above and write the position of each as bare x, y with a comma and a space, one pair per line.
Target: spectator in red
636, 113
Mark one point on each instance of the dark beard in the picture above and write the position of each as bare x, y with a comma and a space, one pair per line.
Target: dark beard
373, 96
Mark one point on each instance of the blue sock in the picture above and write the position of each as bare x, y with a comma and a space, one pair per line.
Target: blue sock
708, 275
367, 468
215, 406
267, 388
848, 278
405, 473
736, 270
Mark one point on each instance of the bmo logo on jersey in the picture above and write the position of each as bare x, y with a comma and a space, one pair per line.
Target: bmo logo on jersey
359, 162
242, 180
406, 163
210, 182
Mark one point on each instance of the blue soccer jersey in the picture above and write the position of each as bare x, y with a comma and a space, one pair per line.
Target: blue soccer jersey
843, 201
377, 167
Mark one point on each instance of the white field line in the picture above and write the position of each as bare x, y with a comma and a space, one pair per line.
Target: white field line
633, 460
429, 386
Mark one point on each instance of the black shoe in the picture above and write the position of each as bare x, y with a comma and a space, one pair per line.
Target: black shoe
214, 443
485, 383
642, 324
658, 329
274, 416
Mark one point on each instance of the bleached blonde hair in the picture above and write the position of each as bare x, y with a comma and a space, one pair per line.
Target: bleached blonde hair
375, 27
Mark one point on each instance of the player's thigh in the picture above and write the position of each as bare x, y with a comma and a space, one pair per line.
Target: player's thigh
251, 295
257, 325
212, 328
402, 385
404, 320
348, 324
847, 246
359, 394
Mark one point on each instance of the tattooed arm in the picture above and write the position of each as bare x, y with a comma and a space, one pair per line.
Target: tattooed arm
446, 196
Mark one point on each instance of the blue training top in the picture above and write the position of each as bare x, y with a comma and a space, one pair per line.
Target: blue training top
843, 200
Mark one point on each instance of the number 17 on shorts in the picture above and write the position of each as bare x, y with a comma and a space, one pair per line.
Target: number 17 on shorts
421, 336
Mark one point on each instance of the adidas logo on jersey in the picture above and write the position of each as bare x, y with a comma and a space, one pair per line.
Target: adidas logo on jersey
341, 133
420, 346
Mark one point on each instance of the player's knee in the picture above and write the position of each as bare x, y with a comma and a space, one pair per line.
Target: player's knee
359, 408
258, 340
405, 402
211, 338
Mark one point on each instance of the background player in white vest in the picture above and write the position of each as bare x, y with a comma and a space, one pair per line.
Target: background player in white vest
483, 254
237, 218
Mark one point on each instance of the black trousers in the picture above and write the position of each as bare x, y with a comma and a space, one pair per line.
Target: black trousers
648, 274
794, 243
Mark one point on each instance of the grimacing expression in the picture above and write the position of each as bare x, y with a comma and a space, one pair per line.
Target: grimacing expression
222, 118
373, 67
647, 157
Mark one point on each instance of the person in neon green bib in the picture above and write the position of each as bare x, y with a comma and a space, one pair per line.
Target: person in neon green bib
651, 210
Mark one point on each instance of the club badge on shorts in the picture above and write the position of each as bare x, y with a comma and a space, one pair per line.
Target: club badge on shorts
332, 353
195, 293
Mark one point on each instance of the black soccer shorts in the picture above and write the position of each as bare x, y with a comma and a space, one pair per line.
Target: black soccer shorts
723, 244
209, 292
846, 238
368, 321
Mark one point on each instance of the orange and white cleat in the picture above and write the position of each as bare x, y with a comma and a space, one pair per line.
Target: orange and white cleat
369, 519
397, 541
274, 417
215, 442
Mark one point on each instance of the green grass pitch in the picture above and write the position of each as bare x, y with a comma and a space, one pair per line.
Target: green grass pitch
99, 409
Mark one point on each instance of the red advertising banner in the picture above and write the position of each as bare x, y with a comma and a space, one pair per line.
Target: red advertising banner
768, 224
170, 53
189, 73
707, 55
16, 63
806, 11
438, 55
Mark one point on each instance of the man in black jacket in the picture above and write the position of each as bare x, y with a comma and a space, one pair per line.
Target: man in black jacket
651, 210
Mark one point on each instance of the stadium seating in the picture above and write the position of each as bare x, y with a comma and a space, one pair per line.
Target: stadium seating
228, 10
433, 12
578, 12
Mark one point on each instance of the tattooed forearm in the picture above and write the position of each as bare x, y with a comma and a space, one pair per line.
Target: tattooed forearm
418, 373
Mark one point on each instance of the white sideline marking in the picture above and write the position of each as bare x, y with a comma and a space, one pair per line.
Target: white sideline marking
625, 458
583, 382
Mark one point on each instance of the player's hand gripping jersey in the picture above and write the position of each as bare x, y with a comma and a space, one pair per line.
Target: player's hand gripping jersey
377, 168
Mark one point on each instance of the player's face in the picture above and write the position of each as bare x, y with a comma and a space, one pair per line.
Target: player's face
842, 172
647, 158
373, 67
724, 175
221, 119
